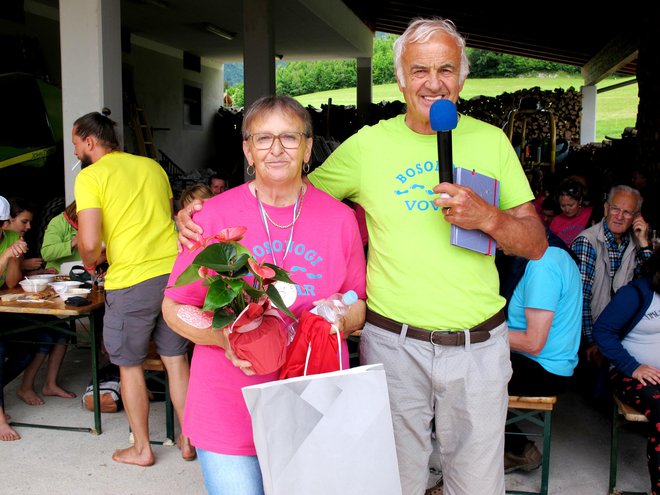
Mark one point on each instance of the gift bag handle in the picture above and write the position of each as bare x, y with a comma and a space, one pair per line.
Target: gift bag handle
309, 353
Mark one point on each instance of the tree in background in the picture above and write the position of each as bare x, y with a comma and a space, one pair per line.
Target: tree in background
301, 78
237, 93
485, 65
383, 59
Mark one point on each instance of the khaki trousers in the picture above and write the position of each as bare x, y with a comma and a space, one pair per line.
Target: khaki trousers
462, 388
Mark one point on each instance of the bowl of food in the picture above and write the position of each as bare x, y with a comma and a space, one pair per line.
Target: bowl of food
65, 285
74, 292
31, 285
48, 277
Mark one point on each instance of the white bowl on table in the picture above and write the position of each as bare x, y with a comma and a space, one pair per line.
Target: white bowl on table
74, 292
65, 285
31, 285
47, 277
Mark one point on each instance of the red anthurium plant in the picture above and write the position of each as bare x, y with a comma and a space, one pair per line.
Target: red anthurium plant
223, 264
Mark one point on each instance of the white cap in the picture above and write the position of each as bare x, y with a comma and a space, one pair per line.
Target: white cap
4, 209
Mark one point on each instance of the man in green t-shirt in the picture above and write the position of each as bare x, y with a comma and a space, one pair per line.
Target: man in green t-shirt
126, 201
417, 282
434, 314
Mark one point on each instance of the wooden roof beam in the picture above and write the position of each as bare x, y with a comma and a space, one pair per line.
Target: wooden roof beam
617, 53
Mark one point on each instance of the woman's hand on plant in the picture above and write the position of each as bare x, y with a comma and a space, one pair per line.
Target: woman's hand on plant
245, 366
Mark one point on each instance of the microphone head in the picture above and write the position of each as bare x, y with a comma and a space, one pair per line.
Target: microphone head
443, 116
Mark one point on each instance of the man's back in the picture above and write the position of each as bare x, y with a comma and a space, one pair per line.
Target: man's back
134, 196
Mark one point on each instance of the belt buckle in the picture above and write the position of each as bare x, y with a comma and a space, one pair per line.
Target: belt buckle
439, 333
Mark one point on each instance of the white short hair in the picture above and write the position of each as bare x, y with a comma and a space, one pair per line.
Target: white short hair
420, 30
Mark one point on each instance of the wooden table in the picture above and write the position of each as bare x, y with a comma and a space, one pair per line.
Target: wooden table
65, 315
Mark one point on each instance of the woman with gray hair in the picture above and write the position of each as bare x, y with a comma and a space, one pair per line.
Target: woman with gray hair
290, 224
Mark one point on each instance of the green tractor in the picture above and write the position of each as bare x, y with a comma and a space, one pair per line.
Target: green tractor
31, 148
31, 160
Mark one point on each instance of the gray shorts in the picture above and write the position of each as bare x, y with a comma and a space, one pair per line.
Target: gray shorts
132, 318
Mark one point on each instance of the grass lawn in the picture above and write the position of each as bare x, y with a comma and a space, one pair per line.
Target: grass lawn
616, 109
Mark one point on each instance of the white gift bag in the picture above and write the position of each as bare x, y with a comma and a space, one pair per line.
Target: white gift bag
325, 434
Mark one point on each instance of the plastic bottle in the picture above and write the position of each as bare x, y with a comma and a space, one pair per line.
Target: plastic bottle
335, 306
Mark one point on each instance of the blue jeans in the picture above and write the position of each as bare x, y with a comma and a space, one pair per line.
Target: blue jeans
48, 337
44, 338
230, 474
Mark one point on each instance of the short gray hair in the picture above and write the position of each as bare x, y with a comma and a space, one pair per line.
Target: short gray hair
420, 30
625, 189
272, 103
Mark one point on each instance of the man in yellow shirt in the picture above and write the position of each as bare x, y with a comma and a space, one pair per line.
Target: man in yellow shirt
126, 201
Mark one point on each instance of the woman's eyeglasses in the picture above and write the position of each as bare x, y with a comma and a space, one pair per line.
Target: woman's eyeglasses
265, 140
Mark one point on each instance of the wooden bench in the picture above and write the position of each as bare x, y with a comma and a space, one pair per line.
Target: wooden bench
621, 413
538, 411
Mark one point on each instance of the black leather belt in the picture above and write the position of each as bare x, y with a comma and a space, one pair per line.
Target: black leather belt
478, 333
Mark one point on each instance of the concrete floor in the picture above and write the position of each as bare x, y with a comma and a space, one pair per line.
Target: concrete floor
63, 462
66, 462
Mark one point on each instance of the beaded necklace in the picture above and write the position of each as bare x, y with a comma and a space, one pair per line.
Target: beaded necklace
264, 215
298, 209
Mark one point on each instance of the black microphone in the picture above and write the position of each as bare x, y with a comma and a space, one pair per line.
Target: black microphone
444, 118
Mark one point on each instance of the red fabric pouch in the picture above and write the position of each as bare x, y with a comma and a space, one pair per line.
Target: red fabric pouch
257, 336
312, 335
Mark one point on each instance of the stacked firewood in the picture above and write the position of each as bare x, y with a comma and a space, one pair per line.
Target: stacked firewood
338, 122
565, 105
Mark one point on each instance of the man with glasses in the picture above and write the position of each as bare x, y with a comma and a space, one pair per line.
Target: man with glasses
610, 253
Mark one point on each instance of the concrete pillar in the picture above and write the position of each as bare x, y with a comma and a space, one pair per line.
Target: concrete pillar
588, 118
364, 87
90, 42
258, 53
258, 50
